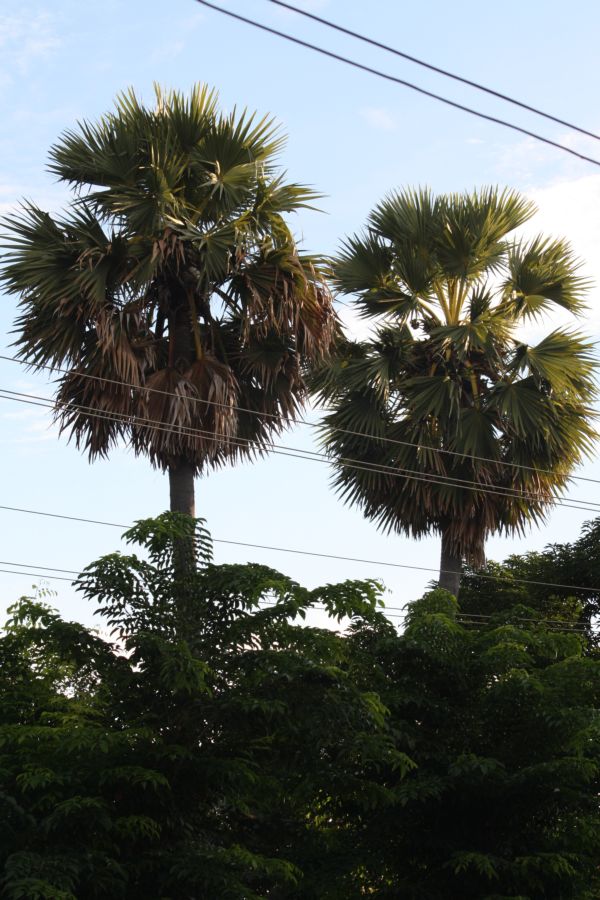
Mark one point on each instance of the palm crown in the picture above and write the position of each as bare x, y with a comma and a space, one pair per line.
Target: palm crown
446, 420
173, 280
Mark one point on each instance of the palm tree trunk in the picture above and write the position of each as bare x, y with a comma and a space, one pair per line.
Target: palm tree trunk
181, 472
181, 355
450, 567
181, 488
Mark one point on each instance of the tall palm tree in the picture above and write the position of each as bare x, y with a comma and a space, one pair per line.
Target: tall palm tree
171, 295
446, 420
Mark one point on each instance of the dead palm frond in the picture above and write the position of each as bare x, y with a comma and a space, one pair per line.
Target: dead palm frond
173, 269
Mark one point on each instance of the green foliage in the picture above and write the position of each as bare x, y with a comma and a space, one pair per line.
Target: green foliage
445, 370
540, 584
235, 752
171, 290
500, 723
189, 757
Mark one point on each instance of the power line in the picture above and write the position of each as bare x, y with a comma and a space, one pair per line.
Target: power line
309, 455
35, 574
433, 68
140, 387
7, 562
392, 612
401, 81
481, 620
487, 617
372, 562
460, 619
380, 439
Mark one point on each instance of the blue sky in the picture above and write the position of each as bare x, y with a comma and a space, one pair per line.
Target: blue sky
351, 136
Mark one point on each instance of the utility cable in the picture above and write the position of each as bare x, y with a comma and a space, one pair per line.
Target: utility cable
391, 612
298, 421
8, 562
299, 453
312, 456
35, 574
466, 619
460, 619
436, 69
401, 81
372, 562
397, 609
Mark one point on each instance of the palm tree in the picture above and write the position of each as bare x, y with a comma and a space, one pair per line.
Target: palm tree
446, 420
171, 295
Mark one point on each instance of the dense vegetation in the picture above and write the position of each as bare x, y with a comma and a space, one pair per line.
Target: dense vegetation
220, 747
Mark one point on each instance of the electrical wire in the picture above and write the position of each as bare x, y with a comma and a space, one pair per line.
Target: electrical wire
309, 455
436, 69
391, 612
397, 609
36, 574
401, 81
488, 616
8, 562
372, 562
300, 453
337, 429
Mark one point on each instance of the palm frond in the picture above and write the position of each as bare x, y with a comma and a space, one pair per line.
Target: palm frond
407, 218
543, 272
481, 430
173, 270
565, 361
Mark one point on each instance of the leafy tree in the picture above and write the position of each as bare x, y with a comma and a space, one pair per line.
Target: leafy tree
500, 722
221, 748
446, 420
171, 291
200, 764
561, 581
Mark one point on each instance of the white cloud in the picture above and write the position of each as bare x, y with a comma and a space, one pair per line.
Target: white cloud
35, 427
194, 20
312, 5
571, 209
520, 161
24, 423
48, 197
25, 38
380, 118
10, 196
524, 160
18, 415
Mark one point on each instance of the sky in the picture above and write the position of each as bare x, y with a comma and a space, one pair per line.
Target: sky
351, 136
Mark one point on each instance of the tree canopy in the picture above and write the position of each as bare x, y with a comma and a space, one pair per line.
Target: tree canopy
171, 297
195, 754
447, 420
561, 582
217, 746
498, 718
